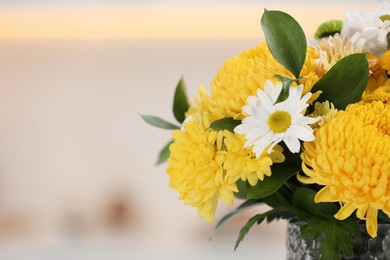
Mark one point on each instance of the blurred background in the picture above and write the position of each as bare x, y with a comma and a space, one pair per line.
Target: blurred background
78, 178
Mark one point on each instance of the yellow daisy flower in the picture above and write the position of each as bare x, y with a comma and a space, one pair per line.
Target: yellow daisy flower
242, 163
351, 158
195, 166
242, 75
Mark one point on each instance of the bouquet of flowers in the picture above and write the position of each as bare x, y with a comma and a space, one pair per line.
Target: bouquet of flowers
303, 128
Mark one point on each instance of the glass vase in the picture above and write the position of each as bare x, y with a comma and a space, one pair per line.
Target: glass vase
365, 247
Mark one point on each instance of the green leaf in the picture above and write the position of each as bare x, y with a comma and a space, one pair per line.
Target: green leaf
180, 102
286, 83
241, 185
335, 236
281, 172
277, 199
282, 214
345, 82
303, 198
226, 123
244, 206
158, 122
286, 40
164, 153
259, 218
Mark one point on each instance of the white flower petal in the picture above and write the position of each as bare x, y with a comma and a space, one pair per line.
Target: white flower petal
257, 132
274, 143
248, 109
242, 129
292, 143
252, 100
302, 133
304, 120
261, 144
265, 101
366, 30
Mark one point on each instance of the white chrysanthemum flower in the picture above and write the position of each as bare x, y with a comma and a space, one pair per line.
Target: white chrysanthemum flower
268, 124
367, 30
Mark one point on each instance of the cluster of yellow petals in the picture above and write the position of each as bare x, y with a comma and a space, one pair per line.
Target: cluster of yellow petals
380, 94
242, 75
351, 158
195, 166
241, 163
378, 77
325, 111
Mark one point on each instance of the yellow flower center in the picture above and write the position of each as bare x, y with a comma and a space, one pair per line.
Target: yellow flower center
279, 121
385, 17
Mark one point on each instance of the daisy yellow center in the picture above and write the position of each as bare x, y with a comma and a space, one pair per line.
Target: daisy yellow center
279, 121
385, 17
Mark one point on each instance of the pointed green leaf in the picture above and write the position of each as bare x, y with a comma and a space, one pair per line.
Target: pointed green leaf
281, 172
285, 39
244, 206
257, 219
245, 229
345, 82
282, 214
158, 122
164, 154
180, 102
226, 123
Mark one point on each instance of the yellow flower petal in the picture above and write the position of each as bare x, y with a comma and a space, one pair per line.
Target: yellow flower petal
371, 221
345, 211
324, 195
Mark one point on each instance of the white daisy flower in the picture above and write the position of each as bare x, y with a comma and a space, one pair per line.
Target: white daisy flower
268, 124
367, 30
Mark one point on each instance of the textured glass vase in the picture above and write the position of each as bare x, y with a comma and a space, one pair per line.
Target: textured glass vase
364, 248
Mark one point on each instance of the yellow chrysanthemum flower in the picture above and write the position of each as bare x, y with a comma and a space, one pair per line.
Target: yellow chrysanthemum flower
201, 104
351, 158
195, 166
242, 75
380, 94
241, 163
